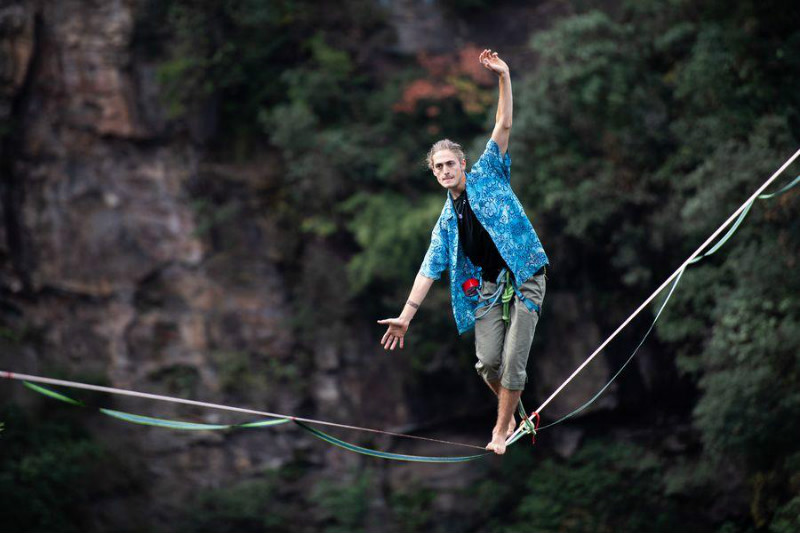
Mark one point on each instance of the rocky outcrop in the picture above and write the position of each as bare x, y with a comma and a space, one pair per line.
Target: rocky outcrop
104, 268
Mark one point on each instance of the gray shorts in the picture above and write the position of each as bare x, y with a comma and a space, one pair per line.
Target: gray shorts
503, 353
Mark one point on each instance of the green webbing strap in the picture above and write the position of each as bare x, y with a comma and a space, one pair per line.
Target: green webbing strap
177, 424
780, 191
508, 294
630, 358
386, 455
713, 249
157, 422
51, 393
741, 218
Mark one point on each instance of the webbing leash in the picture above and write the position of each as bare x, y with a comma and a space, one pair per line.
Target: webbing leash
167, 423
330, 439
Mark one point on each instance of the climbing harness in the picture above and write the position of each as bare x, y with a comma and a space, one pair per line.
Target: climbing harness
506, 290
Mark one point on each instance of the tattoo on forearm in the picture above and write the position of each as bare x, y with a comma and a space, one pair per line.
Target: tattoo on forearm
415, 305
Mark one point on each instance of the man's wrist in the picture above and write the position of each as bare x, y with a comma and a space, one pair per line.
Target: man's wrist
409, 310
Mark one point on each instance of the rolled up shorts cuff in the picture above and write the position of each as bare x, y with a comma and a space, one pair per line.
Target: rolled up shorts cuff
514, 384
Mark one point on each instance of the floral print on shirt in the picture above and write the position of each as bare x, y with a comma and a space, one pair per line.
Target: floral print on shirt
500, 212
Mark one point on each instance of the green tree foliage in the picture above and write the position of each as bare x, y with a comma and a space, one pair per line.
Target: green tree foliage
606, 486
787, 518
592, 116
344, 503
393, 234
412, 508
249, 506
642, 134
232, 56
50, 473
292, 498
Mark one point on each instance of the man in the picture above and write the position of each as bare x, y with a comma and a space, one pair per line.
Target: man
483, 232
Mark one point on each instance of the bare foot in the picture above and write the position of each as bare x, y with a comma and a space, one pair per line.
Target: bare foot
498, 444
512, 427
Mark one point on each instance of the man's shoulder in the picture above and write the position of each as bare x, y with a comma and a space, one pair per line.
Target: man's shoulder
492, 162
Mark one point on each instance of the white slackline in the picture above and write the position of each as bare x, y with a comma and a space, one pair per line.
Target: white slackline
668, 280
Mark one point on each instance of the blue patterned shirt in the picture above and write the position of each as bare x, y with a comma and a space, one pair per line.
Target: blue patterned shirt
499, 211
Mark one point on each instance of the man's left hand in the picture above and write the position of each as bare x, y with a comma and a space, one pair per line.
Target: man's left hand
491, 61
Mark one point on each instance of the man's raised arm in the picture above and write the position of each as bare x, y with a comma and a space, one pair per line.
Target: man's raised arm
502, 126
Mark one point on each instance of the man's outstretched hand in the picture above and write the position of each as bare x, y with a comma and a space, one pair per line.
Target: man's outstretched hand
394, 333
491, 61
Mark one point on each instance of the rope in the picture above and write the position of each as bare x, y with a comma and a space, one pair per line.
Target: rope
716, 247
635, 351
386, 455
742, 216
742, 210
124, 392
492, 299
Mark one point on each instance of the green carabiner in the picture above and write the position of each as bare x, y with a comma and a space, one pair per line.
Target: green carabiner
508, 294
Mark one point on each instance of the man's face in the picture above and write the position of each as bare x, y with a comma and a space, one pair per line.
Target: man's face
449, 171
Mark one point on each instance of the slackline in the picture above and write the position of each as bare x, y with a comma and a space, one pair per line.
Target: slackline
526, 427
737, 216
274, 419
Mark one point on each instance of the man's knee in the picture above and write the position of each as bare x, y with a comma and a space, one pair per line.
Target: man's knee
489, 373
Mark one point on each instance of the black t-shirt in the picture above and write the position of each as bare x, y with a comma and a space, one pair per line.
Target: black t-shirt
475, 240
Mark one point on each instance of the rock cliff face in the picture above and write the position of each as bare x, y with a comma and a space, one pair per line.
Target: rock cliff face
102, 261
105, 263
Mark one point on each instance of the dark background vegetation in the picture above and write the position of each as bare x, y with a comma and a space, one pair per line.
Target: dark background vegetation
638, 128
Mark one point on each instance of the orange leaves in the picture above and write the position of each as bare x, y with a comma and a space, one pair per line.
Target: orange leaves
454, 75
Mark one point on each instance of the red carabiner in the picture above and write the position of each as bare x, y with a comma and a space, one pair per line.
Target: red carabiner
470, 287
535, 426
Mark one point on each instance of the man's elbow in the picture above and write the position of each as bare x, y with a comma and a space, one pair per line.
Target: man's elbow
429, 276
504, 123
